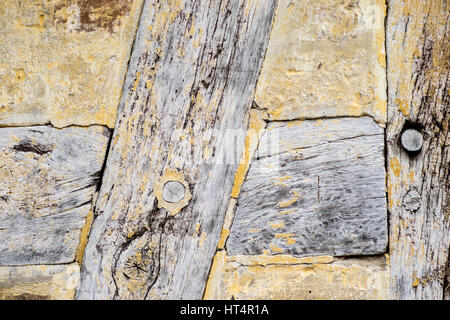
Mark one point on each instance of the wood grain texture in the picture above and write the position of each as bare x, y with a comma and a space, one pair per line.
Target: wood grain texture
418, 64
189, 87
47, 180
314, 188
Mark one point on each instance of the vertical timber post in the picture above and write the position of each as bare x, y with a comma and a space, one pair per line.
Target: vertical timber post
418, 58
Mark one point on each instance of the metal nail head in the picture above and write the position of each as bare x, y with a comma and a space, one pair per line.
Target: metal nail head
173, 191
412, 140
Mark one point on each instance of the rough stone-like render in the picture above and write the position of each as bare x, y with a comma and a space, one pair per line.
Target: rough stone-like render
326, 58
39, 282
63, 62
284, 277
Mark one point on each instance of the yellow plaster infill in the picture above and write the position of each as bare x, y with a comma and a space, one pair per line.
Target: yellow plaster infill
327, 279
69, 72
229, 215
254, 133
288, 237
380, 36
216, 275
290, 85
84, 236
39, 282
277, 224
280, 259
219, 274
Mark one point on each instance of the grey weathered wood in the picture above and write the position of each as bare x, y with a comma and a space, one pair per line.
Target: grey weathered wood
47, 179
418, 57
314, 188
189, 87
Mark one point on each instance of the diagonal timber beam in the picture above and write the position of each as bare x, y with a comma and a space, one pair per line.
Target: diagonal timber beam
175, 149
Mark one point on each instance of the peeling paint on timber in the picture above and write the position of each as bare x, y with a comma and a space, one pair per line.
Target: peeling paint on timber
193, 69
334, 182
47, 179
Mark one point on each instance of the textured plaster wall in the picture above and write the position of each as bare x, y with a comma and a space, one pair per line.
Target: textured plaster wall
63, 63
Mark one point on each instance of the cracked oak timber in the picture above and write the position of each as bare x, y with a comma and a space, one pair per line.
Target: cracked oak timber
314, 187
418, 52
190, 83
47, 179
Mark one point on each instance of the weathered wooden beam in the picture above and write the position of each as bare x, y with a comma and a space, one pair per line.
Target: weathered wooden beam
47, 179
315, 187
418, 64
189, 88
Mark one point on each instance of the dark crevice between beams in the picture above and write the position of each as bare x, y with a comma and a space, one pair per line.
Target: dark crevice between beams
380, 124
49, 124
385, 150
